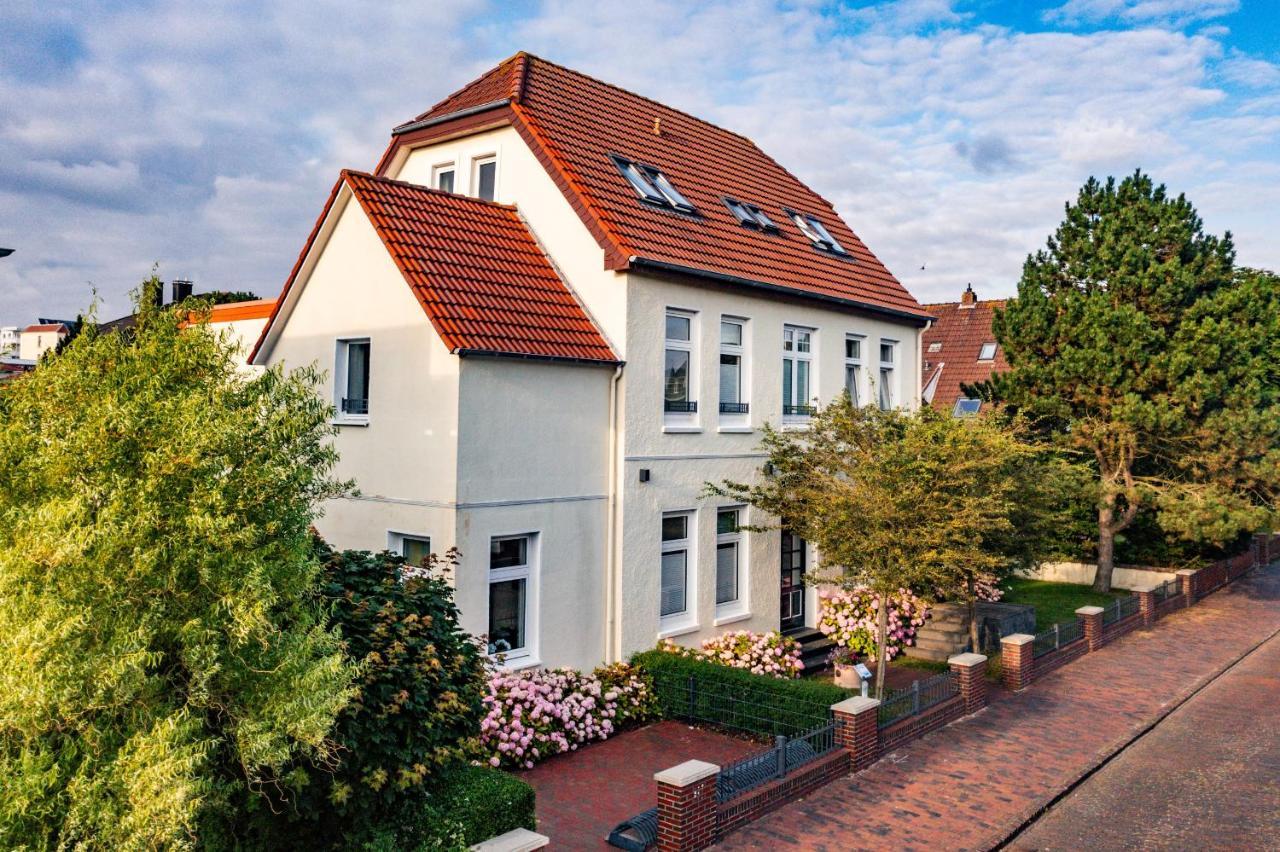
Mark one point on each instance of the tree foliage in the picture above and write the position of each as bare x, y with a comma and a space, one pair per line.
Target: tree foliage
162, 652
895, 499
1135, 341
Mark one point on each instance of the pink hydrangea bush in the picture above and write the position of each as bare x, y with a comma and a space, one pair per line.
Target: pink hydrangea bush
533, 714
849, 618
987, 589
769, 654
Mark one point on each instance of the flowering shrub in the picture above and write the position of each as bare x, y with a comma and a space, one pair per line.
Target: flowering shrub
759, 653
849, 618
533, 714
985, 589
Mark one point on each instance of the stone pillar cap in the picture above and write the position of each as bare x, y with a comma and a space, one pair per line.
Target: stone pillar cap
1145, 588
516, 840
686, 773
855, 705
966, 660
1017, 639
1089, 610
1187, 572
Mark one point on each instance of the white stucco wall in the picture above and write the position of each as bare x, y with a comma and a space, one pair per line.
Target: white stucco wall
33, 344
1084, 572
243, 334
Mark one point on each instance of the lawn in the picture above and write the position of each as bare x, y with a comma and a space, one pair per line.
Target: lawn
1055, 602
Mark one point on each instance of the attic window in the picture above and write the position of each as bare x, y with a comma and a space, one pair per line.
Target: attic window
813, 228
935, 347
750, 215
987, 352
966, 407
652, 185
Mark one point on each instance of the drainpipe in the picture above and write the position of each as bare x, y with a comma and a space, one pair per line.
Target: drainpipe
612, 638
920, 364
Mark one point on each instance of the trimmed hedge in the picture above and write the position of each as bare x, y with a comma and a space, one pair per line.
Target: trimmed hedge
735, 698
475, 804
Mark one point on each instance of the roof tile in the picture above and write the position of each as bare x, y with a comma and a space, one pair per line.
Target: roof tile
959, 331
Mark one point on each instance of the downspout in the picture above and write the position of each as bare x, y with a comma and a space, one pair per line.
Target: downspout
612, 638
920, 363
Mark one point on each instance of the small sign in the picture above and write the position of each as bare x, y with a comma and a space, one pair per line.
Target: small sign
863, 671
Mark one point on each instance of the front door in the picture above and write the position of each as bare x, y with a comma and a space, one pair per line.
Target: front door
793, 565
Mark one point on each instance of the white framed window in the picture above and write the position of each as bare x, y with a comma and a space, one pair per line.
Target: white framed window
351, 380
853, 344
484, 177
678, 395
888, 374
966, 407
729, 559
797, 371
651, 184
442, 177
987, 352
750, 215
676, 592
733, 373
512, 561
414, 547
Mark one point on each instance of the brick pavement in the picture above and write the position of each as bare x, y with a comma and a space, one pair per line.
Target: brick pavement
971, 784
584, 794
1206, 777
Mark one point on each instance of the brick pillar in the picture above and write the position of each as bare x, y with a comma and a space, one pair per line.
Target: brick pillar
857, 730
1187, 577
971, 671
1092, 618
1146, 604
1016, 661
687, 806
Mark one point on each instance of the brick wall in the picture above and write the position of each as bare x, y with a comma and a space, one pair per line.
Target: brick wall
755, 804
1172, 604
1116, 629
905, 730
1046, 663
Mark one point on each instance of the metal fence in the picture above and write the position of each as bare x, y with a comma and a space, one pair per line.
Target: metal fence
1122, 608
916, 698
1168, 589
1063, 633
732, 704
787, 755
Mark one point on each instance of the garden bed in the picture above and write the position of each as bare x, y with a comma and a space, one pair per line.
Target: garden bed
1056, 602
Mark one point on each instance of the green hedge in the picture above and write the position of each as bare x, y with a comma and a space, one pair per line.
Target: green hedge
700, 691
475, 803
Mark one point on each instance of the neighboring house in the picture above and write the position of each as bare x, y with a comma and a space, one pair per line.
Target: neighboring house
35, 340
556, 311
959, 349
8, 340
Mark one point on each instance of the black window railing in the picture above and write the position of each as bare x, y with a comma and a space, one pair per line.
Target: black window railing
355, 406
734, 408
798, 410
676, 406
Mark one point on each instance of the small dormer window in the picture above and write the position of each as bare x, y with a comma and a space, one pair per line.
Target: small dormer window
812, 227
749, 215
987, 352
652, 185
935, 347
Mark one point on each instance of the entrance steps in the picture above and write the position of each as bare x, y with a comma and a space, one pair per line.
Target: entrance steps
944, 635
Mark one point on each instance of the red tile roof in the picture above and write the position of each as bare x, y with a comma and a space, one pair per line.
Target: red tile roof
478, 273
54, 326
573, 123
960, 331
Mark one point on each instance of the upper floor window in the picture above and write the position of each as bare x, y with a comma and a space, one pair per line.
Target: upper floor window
749, 215
442, 177
797, 360
678, 397
888, 354
674, 580
510, 576
652, 185
732, 353
812, 227
853, 367
414, 548
484, 177
351, 379
987, 352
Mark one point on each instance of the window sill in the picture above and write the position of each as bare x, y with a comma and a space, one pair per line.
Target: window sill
731, 616
736, 430
795, 425
674, 429
350, 421
519, 663
674, 630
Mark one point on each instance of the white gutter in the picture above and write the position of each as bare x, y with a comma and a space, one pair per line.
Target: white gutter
613, 631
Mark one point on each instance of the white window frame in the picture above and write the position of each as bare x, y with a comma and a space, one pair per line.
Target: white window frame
529, 572
960, 409
801, 411
740, 418
855, 363
685, 620
476, 163
677, 420
983, 348
396, 540
341, 359
441, 168
738, 606
887, 386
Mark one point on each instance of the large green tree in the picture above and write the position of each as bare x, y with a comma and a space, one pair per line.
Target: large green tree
163, 651
895, 499
1136, 342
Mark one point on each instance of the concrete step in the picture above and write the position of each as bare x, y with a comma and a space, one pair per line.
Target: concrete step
918, 653
950, 646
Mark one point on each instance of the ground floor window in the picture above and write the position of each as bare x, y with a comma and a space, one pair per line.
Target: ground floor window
510, 575
414, 548
728, 557
674, 593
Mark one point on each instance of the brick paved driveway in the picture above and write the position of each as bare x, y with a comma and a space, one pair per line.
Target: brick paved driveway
584, 794
1206, 777
974, 782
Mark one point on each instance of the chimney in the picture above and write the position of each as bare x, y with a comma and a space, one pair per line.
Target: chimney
968, 298
182, 288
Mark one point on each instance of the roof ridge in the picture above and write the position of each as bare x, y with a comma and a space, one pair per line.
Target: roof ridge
428, 189
954, 304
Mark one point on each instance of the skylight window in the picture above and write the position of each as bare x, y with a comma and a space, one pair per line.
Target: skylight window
813, 228
652, 185
966, 407
987, 352
749, 215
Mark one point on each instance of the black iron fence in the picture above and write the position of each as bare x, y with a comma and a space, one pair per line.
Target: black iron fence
1122, 608
1063, 633
1166, 590
916, 698
785, 756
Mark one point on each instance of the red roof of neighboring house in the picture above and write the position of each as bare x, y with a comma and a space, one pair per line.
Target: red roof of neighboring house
480, 276
950, 348
55, 326
573, 122
236, 311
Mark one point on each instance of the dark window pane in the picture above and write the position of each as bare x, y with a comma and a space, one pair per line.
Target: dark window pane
358, 370
675, 527
730, 333
415, 550
726, 573
677, 376
486, 177
673, 582
677, 327
852, 348
444, 180
730, 378
508, 552
726, 521
506, 616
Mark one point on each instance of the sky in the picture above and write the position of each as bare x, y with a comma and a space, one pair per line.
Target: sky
204, 137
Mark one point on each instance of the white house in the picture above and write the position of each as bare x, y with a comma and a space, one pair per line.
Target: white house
554, 311
35, 340
8, 340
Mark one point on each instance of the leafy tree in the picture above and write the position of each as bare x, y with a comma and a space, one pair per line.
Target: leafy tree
896, 499
227, 297
162, 650
1137, 343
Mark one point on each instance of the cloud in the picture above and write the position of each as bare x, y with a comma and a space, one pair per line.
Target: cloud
987, 152
1172, 13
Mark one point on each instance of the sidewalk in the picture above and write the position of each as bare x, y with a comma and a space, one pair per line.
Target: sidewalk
976, 781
